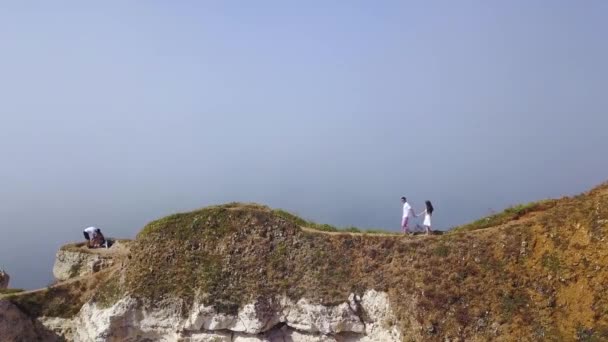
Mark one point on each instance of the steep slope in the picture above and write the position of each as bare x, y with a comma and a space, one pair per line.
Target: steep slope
17, 326
247, 272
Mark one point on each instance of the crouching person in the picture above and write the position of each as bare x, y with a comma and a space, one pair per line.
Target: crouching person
94, 237
99, 240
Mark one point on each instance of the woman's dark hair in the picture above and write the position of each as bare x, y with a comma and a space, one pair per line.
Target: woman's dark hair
429, 207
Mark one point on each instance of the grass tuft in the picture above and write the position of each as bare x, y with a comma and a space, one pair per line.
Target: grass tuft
551, 262
509, 214
10, 291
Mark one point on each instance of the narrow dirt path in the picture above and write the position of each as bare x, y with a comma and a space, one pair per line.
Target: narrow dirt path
317, 231
60, 284
395, 235
119, 248
524, 219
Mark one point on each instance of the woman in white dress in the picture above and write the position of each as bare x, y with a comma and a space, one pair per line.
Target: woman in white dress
428, 212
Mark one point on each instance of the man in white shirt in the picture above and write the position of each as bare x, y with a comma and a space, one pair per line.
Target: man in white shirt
90, 233
407, 213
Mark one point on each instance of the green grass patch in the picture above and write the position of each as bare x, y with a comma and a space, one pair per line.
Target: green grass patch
380, 231
306, 223
10, 291
226, 253
292, 218
52, 302
509, 214
108, 293
597, 334
278, 254
325, 227
441, 251
513, 303
551, 262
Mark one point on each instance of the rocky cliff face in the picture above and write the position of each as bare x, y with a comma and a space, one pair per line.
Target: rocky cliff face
4, 279
367, 318
248, 273
70, 264
16, 326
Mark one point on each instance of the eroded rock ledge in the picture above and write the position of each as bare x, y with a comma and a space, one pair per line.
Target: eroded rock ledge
76, 260
366, 318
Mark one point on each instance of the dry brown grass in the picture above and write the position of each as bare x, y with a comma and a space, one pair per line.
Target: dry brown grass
63, 299
540, 276
459, 283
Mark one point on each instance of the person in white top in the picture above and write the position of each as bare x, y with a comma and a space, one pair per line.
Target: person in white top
407, 213
91, 234
428, 212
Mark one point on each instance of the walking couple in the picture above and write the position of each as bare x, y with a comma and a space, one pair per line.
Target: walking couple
408, 213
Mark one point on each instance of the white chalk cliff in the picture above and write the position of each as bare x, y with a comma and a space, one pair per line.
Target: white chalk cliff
366, 318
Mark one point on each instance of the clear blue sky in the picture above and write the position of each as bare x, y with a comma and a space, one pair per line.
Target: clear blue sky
115, 113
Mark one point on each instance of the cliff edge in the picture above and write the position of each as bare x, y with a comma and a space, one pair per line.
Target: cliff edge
76, 260
245, 272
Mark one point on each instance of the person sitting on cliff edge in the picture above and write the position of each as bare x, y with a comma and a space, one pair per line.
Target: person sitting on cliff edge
94, 237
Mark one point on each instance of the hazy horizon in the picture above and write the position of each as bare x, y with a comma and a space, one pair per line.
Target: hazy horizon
114, 114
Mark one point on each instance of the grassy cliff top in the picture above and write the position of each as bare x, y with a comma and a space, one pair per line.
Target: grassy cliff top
536, 272
538, 269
